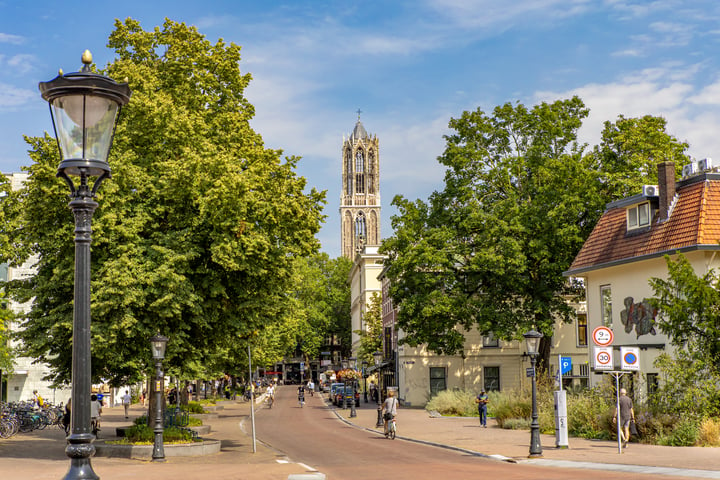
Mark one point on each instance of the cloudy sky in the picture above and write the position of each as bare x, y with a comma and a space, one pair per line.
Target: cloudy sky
409, 66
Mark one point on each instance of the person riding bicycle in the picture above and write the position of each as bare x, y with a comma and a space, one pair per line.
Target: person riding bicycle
270, 393
389, 409
95, 412
311, 388
301, 394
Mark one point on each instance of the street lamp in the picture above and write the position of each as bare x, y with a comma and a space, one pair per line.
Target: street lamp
532, 338
158, 344
83, 108
353, 366
344, 365
377, 358
364, 373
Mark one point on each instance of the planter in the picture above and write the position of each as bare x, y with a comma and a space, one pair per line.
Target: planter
196, 449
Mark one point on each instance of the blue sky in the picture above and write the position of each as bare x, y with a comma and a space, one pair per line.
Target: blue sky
408, 65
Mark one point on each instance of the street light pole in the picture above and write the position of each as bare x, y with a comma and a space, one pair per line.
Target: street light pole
364, 374
158, 343
533, 340
353, 366
377, 358
83, 107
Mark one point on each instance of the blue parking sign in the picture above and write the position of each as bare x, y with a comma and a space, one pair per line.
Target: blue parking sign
565, 365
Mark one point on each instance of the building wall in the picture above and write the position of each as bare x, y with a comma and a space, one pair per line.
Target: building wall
632, 281
363, 283
469, 373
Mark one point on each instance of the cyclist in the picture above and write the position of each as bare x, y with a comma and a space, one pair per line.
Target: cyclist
95, 412
311, 388
301, 395
270, 393
389, 409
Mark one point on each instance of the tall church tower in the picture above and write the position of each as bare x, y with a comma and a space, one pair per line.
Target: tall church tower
360, 197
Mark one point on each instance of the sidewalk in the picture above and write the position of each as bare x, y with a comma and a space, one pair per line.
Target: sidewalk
513, 445
40, 454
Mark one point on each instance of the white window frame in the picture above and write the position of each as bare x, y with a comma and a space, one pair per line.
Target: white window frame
639, 216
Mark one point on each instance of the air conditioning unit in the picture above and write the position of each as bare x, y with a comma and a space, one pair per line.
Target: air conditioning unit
650, 191
705, 164
689, 169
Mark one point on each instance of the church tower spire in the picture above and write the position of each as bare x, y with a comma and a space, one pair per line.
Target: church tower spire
360, 197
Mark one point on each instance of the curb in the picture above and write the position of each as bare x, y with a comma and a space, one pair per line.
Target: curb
206, 447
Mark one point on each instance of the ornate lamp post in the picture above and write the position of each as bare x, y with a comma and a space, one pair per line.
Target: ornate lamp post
158, 344
532, 338
377, 358
353, 366
364, 374
344, 365
83, 107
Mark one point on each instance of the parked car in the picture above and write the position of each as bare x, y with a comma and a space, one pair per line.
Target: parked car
333, 388
346, 394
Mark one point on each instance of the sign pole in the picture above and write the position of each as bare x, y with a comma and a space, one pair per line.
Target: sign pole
617, 376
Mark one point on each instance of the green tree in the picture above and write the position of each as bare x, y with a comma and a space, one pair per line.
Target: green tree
197, 234
630, 150
371, 337
489, 250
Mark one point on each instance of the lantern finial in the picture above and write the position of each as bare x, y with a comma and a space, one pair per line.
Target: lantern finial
87, 57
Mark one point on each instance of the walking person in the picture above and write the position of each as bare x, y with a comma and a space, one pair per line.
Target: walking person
482, 401
389, 409
627, 415
126, 400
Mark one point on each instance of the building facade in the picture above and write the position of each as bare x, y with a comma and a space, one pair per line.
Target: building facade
628, 247
360, 197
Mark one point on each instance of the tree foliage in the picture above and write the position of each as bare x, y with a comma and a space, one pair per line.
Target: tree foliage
520, 198
197, 234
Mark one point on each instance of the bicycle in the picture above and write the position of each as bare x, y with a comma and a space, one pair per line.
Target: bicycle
270, 400
301, 400
392, 429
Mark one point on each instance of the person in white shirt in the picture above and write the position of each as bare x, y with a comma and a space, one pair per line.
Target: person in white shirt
311, 387
126, 400
95, 412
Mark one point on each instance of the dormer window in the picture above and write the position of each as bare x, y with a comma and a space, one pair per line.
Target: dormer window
638, 216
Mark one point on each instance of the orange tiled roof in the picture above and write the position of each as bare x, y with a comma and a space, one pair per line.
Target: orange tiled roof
694, 222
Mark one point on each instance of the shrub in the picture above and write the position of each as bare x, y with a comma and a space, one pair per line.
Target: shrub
142, 434
685, 434
453, 403
516, 424
194, 422
193, 407
709, 433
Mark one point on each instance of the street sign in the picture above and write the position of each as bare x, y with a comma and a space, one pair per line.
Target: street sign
530, 372
565, 365
629, 358
603, 358
302, 366
602, 336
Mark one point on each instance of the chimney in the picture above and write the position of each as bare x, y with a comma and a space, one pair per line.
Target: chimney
666, 183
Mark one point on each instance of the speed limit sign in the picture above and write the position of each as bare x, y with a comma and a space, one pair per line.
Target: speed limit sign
603, 358
602, 336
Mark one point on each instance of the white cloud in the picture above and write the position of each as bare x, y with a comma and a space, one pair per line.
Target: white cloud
20, 64
505, 15
14, 97
9, 38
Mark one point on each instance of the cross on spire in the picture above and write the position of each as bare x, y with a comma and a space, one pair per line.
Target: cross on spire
359, 112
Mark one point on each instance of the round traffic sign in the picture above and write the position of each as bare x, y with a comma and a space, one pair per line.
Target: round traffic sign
602, 336
603, 358
630, 358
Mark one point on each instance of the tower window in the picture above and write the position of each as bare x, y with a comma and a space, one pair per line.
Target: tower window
359, 172
359, 162
348, 172
360, 228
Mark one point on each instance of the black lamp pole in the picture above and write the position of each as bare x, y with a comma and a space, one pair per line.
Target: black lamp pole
83, 107
377, 357
158, 343
364, 373
353, 366
533, 340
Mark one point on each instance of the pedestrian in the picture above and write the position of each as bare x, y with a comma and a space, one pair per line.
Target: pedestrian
482, 401
126, 400
95, 413
66, 417
389, 409
38, 401
627, 415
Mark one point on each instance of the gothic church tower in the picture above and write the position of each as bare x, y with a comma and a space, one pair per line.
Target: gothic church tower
360, 197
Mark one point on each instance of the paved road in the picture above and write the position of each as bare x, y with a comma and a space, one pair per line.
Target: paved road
314, 436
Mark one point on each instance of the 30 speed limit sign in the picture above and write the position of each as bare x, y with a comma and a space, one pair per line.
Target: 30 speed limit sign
602, 336
603, 358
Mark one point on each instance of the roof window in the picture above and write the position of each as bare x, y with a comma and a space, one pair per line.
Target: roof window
638, 216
